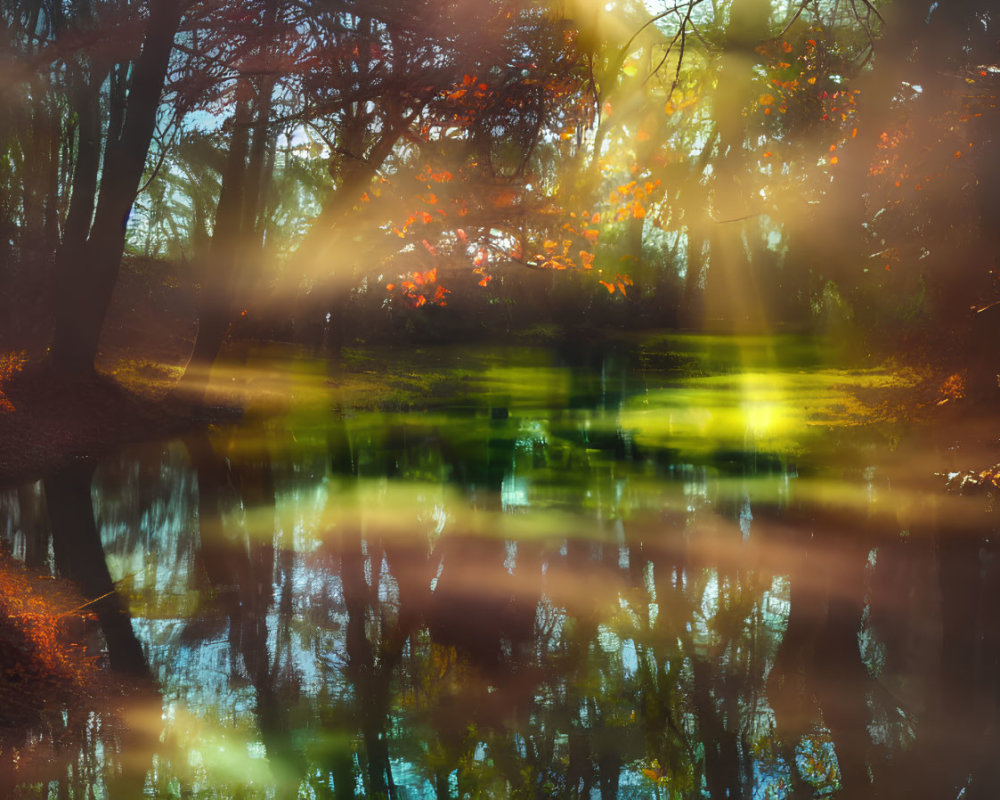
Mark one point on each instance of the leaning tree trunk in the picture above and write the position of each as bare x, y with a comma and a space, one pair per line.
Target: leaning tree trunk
85, 283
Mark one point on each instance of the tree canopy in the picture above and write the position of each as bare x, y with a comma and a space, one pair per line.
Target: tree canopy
737, 165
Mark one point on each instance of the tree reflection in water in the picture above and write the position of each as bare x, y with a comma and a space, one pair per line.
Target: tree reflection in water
519, 597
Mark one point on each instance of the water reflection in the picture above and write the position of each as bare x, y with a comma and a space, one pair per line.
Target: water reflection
524, 576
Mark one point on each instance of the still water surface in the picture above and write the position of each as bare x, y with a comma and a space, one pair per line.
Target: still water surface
684, 568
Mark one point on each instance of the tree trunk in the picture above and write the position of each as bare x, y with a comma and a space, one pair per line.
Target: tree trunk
216, 299
235, 242
370, 680
84, 295
79, 556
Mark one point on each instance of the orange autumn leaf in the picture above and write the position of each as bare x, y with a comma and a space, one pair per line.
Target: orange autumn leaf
591, 235
609, 286
484, 279
638, 212
439, 294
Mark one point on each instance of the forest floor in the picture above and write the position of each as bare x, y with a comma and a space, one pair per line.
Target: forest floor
48, 420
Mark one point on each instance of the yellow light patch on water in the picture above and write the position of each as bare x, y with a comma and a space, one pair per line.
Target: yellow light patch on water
212, 753
774, 411
524, 386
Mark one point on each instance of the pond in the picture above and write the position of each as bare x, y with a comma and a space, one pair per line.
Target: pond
677, 567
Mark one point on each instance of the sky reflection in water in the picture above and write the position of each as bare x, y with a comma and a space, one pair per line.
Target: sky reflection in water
660, 572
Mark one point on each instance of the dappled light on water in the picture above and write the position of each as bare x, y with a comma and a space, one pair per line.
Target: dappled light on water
505, 575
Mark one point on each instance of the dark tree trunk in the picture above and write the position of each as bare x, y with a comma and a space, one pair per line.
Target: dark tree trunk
370, 679
216, 300
235, 239
79, 557
88, 160
257, 163
84, 189
84, 295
